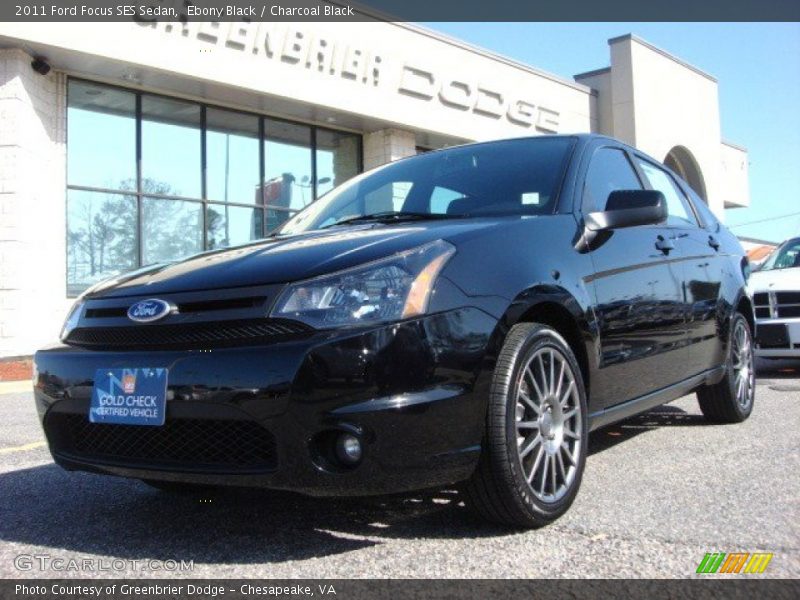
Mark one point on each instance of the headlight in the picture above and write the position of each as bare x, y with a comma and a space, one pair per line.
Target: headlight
72, 319
394, 288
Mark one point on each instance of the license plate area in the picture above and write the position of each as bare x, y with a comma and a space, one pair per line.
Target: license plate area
135, 396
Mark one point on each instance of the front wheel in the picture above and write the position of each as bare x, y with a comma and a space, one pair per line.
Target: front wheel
534, 448
731, 400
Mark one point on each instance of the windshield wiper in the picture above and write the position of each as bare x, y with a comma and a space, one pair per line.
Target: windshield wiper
391, 216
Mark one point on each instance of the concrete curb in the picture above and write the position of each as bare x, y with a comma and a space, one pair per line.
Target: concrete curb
15, 387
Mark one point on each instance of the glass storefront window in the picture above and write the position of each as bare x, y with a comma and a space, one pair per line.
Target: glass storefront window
288, 184
101, 129
171, 229
232, 157
171, 145
101, 237
209, 177
228, 225
337, 158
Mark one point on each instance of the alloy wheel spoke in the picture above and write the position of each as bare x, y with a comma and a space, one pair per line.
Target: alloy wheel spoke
565, 450
543, 482
527, 424
544, 376
560, 463
568, 393
528, 401
560, 379
569, 433
536, 462
529, 374
529, 448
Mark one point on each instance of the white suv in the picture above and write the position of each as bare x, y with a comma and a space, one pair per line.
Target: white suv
775, 289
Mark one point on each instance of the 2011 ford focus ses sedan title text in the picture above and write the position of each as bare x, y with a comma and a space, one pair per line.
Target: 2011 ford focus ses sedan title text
466, 317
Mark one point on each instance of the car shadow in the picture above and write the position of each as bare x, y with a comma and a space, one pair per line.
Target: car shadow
85, 513
662, 416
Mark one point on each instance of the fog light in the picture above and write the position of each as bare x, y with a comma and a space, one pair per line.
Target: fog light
348, 449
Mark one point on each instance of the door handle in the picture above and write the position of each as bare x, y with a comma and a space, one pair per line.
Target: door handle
664, 244
712, 241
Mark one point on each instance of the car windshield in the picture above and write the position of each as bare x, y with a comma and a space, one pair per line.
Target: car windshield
787, 255
510, 177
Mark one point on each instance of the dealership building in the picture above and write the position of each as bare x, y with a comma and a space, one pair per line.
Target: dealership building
134, 143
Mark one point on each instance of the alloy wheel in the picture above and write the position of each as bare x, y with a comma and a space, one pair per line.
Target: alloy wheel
548, 424
744, 373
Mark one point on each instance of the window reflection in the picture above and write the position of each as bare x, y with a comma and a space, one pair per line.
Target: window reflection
101, 127
171, 145
101, 237
288, 186
237, 198
230, 225
337, 158
171, 229
231, 156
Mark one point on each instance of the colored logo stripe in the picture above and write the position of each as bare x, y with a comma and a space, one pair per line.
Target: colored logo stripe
711, 562
736, 562
758, 563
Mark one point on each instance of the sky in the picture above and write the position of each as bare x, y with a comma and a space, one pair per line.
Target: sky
758, 69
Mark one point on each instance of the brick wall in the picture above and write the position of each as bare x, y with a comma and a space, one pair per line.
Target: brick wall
386, 145
32, 204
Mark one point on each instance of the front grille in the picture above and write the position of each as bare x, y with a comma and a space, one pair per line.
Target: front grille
762, 312
777, 305
184, 307
186, 335
789, 312
787, 297
187, 444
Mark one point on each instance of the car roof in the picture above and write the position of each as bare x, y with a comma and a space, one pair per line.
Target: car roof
583, 138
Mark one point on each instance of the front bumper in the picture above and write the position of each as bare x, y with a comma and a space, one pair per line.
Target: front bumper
414, 392
778, 338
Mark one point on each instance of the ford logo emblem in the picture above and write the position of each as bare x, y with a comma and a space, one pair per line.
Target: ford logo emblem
146, 311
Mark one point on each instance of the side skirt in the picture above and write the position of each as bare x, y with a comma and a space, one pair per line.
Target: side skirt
653, 399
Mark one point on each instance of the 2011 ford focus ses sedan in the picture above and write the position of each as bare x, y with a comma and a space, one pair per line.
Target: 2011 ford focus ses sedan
465, 316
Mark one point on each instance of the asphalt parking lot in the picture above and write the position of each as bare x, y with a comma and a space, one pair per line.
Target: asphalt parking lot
660, 490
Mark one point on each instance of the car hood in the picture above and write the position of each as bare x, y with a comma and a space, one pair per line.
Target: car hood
776, 280
286, 259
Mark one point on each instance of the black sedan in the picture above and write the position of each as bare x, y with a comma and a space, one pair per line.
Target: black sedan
465, 317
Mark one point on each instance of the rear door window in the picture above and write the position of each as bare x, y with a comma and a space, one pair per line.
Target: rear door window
680, 213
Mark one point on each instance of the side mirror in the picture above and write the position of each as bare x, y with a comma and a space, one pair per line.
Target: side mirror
629, 208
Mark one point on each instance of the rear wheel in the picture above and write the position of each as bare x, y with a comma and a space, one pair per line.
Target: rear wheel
534, 449
731, 400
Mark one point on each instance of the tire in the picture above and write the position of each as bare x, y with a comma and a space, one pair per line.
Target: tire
731, 400
511, 482
178, 487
